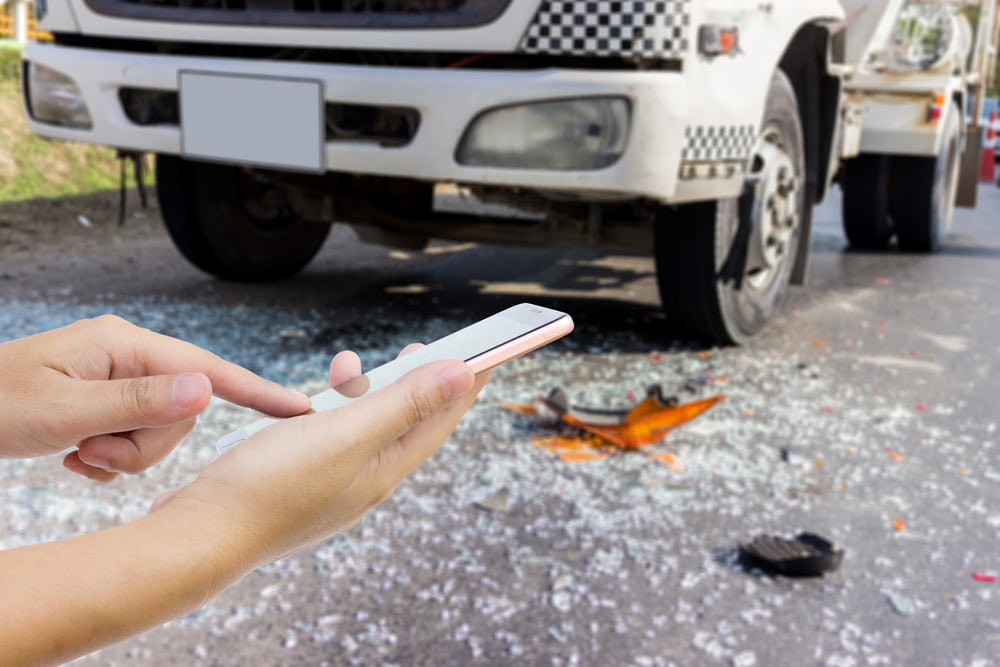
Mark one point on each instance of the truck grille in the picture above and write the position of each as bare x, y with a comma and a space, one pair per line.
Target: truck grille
311, 13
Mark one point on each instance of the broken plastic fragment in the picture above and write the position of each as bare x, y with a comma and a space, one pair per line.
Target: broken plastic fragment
808, 555
899, 525
647, 422
670, 460
983, 577
557, 442
573, 450
578, 457
521, 408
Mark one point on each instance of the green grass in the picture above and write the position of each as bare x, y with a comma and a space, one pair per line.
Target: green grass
32, 167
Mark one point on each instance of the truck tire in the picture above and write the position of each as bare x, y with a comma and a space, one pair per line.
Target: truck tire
228, 225
923, 217
865, 205
723, 266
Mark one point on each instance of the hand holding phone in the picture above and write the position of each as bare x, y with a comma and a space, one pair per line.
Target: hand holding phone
483, 345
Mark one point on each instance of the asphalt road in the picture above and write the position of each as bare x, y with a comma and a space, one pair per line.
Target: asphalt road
865, 413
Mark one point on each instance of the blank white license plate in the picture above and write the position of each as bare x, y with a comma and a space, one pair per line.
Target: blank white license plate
253, 120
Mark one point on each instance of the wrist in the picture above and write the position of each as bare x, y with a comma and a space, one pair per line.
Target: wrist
96, 589
205, 537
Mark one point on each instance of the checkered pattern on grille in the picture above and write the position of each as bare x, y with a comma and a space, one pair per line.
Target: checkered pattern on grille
638, 28
718, 142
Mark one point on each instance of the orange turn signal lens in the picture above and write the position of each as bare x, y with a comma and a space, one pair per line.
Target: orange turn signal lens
717, 40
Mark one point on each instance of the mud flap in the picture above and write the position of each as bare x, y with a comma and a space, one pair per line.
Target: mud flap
968, 170
800, 269
735, 266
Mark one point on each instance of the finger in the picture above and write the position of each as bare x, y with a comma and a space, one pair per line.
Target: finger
138, 351
345, 372
344, 366
114, 406
402, 456
346, 377
73, 463
409, 348
135, 451
373, 421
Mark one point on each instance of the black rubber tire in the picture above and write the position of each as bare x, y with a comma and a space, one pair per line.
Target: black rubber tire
206, 212
923, 216
866, 202
174, 179
696, 246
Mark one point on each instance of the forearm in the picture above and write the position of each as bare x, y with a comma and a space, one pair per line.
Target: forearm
67, 598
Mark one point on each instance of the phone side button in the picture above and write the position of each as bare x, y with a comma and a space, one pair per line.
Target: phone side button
230, 440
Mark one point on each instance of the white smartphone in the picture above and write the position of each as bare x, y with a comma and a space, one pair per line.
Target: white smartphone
483, 345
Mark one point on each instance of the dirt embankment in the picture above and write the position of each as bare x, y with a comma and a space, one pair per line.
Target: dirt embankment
31, 167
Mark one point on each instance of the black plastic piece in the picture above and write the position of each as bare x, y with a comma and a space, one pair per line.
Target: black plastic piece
808, 555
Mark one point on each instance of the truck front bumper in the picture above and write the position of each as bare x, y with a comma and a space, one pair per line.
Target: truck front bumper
447, 101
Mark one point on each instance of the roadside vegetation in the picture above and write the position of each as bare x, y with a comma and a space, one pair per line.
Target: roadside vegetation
33, 168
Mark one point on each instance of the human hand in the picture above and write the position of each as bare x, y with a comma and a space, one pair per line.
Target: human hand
303, 479
122, 394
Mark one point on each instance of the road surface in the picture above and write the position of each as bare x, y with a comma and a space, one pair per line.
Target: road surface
865, 413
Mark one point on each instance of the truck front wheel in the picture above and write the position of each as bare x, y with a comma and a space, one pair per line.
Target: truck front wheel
723, 266
230, 225
923, 217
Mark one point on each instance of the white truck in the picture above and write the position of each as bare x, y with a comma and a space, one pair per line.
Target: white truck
701, 131
911, 93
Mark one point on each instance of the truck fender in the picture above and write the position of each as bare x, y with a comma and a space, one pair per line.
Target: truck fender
818, 93
56, 16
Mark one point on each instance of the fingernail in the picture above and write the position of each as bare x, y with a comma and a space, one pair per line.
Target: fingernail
456, 380
98, 462
187, 390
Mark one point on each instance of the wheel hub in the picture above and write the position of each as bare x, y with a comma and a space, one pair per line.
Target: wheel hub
774, 216
265, 205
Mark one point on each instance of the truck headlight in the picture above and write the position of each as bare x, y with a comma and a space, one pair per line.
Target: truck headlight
587, 133
55, 98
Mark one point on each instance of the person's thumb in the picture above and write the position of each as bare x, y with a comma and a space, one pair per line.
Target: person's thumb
115, 406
